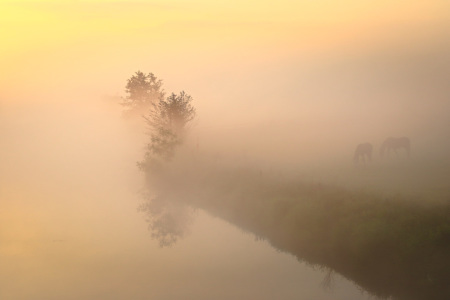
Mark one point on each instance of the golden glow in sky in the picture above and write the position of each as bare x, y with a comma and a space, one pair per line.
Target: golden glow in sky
40, 23
54, 36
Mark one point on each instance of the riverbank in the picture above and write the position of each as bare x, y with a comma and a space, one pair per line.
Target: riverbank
390, 246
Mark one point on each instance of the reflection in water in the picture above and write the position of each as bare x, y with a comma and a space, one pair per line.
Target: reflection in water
168, 221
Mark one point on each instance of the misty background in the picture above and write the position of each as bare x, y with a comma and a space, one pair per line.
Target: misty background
288, 89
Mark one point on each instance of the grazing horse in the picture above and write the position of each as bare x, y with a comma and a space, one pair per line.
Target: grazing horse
362, 151
394, 144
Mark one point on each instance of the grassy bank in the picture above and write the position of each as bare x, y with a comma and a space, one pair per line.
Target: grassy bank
390, 246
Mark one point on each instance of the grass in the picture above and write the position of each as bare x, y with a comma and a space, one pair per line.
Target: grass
391, 246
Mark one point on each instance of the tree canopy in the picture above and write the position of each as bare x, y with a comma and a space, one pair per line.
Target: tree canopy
167, 118
143, 90
167, 122
172, 113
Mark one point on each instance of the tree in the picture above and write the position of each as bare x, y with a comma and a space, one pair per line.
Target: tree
143, 90
172, 114
167, 122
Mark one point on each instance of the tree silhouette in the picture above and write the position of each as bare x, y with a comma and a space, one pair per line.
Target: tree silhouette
171, 114
143, 90
167, 121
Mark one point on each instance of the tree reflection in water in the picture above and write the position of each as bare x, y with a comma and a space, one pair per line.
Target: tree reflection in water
168, 221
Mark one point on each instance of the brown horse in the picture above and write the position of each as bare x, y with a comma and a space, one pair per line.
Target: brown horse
362, 152
393, 144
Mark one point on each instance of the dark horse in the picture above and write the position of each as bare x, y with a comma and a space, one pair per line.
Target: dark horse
394, 144
362, 151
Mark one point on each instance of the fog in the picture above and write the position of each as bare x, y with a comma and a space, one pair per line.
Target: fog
283, 95
70, 227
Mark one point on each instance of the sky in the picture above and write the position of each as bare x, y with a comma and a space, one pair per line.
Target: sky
327, 63
43, 39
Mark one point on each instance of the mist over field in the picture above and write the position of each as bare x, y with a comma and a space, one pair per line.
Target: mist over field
283, 95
